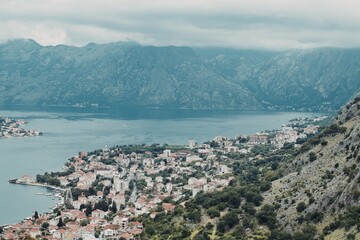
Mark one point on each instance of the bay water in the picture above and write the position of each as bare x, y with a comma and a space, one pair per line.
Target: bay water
70, 130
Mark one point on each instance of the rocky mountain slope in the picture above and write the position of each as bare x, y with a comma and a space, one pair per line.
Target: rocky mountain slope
127, 74
325, 189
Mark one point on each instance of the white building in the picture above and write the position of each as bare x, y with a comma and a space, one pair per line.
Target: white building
191, 143
119, 199
231, 149
108, 233
193, 158
98, 213
169, 187
158, 179
123, 222
148, 162
120, 185
223, 169
167, 153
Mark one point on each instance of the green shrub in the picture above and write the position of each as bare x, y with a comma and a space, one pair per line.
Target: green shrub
213, 212
334, 129
324, 143
312, 156
300, 207
249, 208
228, 221
314, 217
267, 216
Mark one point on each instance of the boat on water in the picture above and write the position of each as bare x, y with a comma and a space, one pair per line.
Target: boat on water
12, 180
44, 194
58, 195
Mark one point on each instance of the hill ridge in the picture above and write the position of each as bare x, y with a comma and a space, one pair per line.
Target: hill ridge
129, 74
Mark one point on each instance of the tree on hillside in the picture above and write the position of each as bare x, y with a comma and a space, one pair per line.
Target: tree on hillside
45, 226
113, 208
60, 223
88, 210
300, 207
267, 216
36, 215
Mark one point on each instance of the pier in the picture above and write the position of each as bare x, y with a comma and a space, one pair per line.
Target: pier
16, 181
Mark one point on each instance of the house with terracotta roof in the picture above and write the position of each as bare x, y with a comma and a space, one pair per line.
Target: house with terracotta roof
34, 232
63, 181
168, 207
60, 234
136, 225
87, 230
127, 236
26, 179
73, 214
136, 231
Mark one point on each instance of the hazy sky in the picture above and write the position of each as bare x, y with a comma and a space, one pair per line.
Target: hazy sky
231, 23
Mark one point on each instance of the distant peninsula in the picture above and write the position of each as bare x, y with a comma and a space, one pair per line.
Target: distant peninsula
10, 128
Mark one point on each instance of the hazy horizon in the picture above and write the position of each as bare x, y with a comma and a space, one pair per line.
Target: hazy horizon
256, 24
194, 47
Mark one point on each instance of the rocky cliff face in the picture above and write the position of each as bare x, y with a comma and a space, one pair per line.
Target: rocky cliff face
327, 181
126, 74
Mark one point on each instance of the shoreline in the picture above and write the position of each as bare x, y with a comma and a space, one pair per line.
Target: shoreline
92, 166
284, 109
57, 193
14, 128
15, 181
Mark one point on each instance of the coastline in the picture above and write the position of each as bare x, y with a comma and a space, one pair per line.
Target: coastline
94, 166
57, 193
14, 128
16, 181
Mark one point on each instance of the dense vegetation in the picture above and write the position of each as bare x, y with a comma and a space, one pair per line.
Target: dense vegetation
51, 178
226, 214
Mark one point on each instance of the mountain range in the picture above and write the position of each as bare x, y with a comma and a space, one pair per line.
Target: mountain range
132, 75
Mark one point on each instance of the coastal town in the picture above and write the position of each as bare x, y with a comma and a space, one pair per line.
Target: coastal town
103, 192
10, 128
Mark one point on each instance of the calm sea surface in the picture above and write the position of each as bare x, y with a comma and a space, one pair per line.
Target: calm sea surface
70, 130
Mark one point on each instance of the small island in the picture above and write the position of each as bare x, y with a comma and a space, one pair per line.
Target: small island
137, 191
10, 128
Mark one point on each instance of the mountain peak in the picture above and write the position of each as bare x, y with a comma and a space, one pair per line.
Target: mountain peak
23, 43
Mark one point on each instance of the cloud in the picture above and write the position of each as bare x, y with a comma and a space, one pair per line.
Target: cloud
43, 33
272, 24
